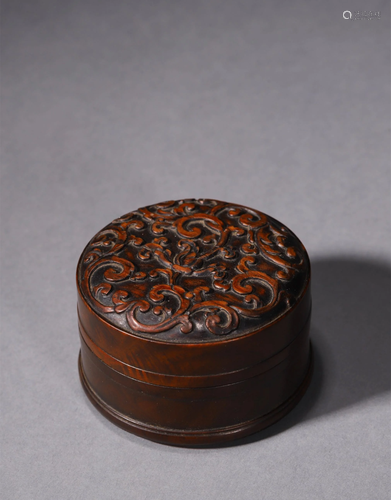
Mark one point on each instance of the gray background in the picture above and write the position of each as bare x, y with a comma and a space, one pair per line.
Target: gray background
108, 106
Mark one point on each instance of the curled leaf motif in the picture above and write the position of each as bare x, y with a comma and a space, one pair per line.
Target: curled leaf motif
198, 265
121, 301
167, 319
119, 269
216, 310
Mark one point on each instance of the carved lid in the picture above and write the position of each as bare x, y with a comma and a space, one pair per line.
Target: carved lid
193, 270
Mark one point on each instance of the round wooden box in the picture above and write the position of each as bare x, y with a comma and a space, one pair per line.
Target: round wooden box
194, 321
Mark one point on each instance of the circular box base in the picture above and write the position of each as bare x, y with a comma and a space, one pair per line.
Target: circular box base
179, 437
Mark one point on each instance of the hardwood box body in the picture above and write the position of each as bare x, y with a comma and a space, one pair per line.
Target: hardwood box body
185, 351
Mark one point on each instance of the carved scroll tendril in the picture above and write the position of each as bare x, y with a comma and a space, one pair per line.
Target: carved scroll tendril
191, 264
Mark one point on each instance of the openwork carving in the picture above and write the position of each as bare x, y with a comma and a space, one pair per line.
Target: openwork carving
193, 266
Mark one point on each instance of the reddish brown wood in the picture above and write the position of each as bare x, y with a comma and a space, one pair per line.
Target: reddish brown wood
194, 321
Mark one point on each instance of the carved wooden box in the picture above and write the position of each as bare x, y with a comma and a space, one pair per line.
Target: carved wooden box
194, 321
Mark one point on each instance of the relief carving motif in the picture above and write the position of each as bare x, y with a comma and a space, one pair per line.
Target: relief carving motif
195, 264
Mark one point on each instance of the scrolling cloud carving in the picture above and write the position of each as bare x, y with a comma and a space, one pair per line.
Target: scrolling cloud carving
192, 266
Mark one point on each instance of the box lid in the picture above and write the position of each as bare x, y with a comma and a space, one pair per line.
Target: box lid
199, 273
